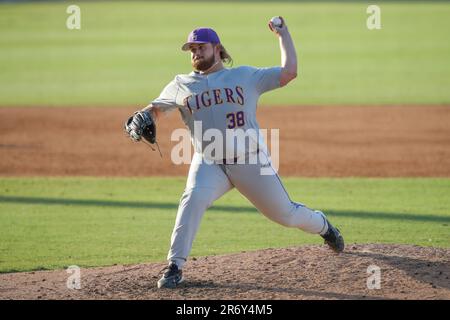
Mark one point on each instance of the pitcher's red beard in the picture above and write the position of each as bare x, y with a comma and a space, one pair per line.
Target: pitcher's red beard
203, 64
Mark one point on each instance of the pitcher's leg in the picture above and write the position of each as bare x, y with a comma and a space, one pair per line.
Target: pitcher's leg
205, 184
268, 195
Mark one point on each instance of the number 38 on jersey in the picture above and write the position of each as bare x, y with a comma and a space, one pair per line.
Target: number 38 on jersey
235, 119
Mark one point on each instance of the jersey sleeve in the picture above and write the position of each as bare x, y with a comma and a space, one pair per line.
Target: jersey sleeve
266, 79
167, 100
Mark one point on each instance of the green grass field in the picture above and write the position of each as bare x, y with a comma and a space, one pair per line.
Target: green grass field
126, 51
56, 222
124, 55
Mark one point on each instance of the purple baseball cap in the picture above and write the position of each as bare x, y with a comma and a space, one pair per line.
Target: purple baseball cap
201, 35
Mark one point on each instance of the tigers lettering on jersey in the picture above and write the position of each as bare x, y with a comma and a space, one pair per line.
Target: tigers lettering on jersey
214, 97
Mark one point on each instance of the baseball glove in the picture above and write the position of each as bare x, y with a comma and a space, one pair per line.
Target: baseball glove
141, 125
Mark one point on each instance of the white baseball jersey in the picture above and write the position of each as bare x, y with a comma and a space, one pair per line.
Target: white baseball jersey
222, 100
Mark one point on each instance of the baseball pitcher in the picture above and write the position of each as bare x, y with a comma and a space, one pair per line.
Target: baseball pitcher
226, 99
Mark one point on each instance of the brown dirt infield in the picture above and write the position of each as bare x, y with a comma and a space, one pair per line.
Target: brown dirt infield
308, 272
384, 141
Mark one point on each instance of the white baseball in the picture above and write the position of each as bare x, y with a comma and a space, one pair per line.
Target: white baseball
276, 22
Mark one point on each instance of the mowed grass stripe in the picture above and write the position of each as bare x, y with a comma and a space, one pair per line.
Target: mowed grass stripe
126, 52
49, 223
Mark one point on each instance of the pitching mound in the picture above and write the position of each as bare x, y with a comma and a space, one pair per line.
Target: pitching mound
308, 272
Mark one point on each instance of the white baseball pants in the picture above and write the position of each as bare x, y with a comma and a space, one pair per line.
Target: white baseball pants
208, 182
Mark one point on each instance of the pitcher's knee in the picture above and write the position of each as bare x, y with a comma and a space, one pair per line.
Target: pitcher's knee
285, 218
289, 220
281, 213
301, 217
200, 197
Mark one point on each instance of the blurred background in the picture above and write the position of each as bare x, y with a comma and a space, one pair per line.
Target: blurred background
126, 51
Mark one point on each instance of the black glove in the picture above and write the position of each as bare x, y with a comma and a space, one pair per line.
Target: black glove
141, 125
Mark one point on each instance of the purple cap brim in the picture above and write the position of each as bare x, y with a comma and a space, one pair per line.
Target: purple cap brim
201, 35
185, 46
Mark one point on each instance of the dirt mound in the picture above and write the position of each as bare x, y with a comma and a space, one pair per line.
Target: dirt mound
378, 141
308, 272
